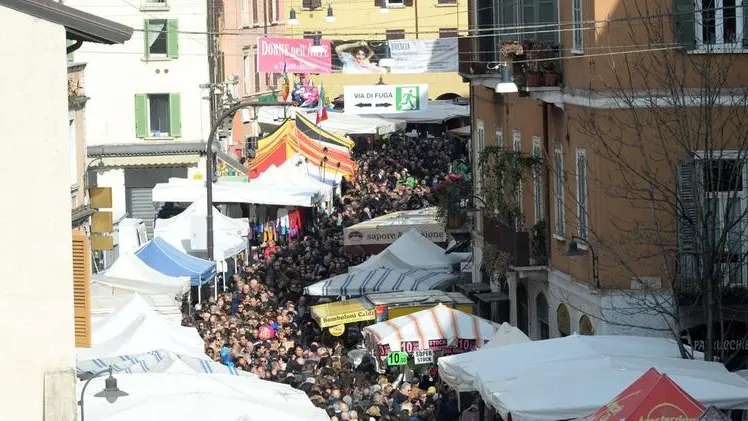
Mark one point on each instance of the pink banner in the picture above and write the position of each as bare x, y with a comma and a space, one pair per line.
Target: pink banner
297, 55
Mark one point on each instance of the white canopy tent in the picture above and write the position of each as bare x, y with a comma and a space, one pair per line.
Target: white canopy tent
187, 191
325, 175
291, 174
221, 222
196, 397
437, 112
344, 124
414, 250
379, 280
105, 300
159, 362
435, 323
569, 389
131, 273
458, 371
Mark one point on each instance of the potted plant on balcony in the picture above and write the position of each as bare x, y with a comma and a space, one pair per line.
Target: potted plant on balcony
538, 243
550, 77
452, 198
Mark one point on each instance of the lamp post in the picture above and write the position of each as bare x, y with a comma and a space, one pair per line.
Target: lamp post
111, 392
210, 157
575, 251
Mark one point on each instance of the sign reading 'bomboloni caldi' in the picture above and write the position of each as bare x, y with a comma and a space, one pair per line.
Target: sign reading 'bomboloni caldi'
356, 316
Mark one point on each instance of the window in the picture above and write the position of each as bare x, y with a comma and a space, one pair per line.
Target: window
244, 12
161, 39
448, 33
255, 13
500, 136
312, 34
517, 146
719, 22
541, 309
536, 180
246, 72
391, 4
311, 4
158, 115
256, 85
558, 175
154, 5
523, 310
563, 319
479, 145
447, 2
582, 209
275, 6
576, 32
395, 34
73, 141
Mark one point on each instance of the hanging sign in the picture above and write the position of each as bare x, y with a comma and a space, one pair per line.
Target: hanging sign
423, 357
437, 344
383, 349
385, 99
337, 330
397, 358
410, 346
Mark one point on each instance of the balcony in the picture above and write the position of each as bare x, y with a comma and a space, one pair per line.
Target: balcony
477, 59
518, 244
534, 64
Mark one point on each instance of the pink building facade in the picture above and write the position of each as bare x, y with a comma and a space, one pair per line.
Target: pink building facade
243, 23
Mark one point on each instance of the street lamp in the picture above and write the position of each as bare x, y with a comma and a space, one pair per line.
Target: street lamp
210, 153
575, 251
111, 392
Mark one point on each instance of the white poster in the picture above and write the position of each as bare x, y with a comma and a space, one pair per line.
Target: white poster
386, 99
423, 357
424, 55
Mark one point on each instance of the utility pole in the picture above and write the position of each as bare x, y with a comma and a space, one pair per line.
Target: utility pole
212, 56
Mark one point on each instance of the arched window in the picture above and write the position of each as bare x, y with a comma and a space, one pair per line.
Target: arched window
564, 320
541, 309
522, 309
585, 326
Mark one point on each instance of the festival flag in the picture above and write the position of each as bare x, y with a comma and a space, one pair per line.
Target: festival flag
287, 85
321, 105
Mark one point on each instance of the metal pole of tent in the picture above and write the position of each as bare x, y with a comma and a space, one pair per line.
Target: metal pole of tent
199, 289
224, 278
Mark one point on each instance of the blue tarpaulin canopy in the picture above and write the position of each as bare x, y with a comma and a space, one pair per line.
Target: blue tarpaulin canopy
168, 260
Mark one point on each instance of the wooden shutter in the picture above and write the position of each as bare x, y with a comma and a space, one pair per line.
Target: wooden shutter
686, 224
141, 115
684, 23
255, 15
172, 44
175, 115
378, 3
276, 16
82, 289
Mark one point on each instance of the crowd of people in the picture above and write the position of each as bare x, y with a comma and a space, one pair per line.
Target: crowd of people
262, 323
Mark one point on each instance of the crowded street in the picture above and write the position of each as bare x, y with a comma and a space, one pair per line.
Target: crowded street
263, 324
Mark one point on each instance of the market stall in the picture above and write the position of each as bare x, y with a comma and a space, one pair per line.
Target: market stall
438, 329
163, 257
286, 175
105, 300
160, 362
412, 250
372, 236
131, 273
374, 280
190, 191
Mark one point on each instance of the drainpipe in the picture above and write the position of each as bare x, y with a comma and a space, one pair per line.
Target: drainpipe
547, 192
72, 47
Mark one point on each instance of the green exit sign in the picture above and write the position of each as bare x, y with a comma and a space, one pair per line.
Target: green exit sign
397, 358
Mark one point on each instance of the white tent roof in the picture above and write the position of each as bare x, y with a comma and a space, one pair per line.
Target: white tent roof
290, 174
416, 251
345, 124
106, 300
180, 232
125, 316
458, 371
438, 322
318, 173
129, 272
575, 388
221, 222
196, 397
379, 280
436, 113
159, 362
184, 190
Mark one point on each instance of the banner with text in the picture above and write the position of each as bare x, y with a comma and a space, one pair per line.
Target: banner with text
385, 99
402, 56
295, 55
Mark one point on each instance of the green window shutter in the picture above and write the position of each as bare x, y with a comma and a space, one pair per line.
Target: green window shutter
141, 115
172, 46
146, 44
175, 115
684, 23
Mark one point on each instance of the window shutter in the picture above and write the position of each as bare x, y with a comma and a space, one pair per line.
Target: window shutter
686, 222
378, 3
509, 18
172, 45
175, 115
316, 4
306, 4
745, 23
408, 3
255, 18
141, 115
276, 12
146, 44
684, 23
82, 289
244, 13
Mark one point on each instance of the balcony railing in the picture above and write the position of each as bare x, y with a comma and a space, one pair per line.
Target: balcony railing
516, 243
477, 58
534, 64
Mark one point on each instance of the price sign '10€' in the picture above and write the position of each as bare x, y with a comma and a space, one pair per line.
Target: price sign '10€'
397, 358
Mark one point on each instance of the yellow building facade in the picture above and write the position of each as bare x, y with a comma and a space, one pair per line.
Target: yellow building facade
357, 20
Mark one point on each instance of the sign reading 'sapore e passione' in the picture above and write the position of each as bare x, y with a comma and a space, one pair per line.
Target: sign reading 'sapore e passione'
384, 235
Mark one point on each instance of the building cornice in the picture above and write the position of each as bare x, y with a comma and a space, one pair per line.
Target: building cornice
639, 99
